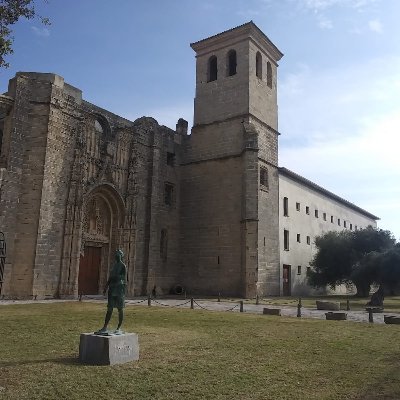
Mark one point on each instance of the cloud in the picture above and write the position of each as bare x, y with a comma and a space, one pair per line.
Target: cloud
41, 32
375, 26
340, 129
324, 23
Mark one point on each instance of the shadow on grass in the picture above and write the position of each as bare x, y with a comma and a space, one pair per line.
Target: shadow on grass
72, 360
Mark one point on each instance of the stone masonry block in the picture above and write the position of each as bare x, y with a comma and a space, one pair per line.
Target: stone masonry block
108, 350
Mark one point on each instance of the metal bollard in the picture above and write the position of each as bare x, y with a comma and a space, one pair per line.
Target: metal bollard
257, 300
348, 305
370, 316
241, 305
299, 310
149, 300
219, 297
80, 297
192, 303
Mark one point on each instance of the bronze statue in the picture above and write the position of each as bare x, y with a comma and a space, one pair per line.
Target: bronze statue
116, 286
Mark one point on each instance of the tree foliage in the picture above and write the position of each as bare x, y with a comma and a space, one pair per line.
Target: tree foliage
10, 12
361, 257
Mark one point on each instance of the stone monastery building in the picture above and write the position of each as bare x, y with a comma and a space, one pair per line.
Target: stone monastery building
210, 211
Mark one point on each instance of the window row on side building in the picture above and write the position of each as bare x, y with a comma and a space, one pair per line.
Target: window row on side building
323, 212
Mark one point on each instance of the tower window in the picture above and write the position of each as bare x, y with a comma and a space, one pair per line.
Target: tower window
259, 65
264, 177
332, 219
212, 69
316, 214
324, 216
269, 74
308, 240
163, 244
285, 207
169, 194
170, 159
231, 70
285, 239
307, 210
298, 206
298, 238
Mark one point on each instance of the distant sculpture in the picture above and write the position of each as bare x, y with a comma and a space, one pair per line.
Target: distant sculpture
116, 286
377, 298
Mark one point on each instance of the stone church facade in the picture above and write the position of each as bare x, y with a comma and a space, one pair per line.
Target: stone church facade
199, 211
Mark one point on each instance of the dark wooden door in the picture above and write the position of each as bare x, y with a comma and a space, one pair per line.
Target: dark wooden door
286, 280
89, 271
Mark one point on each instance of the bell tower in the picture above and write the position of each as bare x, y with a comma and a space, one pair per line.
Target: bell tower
230, 218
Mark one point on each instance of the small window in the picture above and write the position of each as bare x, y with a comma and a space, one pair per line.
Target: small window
338, 221
351, 227
212, 69
285, 239
297, 206
269, 74
345, 224
259, 65
308, 270
285, 207
299, 270
169, 194
170, 159
316, 213
308, 240
231, 61
332, 219
324, 216
298, 238
307, 210
355, 228
264, 177
163, 244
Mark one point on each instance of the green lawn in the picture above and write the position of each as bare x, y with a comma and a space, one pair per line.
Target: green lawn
193, 354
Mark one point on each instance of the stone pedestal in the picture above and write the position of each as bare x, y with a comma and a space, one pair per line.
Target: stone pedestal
108, 350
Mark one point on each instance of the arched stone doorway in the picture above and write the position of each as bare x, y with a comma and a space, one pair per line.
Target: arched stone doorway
94, 229
102, 229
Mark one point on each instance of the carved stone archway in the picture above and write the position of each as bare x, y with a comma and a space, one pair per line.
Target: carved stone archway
96, 223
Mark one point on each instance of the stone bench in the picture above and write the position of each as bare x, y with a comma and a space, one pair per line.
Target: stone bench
391, 319
272, 311
336, 316
328, 305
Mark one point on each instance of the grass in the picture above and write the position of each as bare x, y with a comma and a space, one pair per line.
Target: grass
193, 354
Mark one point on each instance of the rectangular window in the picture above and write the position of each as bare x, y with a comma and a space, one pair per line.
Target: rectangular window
286, 239
355, 227
299, 270
285, 207
351, 227
332, 219
345, 224
324, 216
308, 240
264, 177
307, 210
170, 159
298, 238
297, 206
169, 194
308, 270
338, 221
316, 213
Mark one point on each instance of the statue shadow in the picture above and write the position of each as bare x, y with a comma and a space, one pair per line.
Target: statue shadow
72, 360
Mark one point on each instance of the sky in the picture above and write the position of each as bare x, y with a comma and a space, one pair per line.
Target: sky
338, 82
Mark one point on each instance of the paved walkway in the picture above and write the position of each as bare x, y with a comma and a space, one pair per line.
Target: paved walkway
286, 311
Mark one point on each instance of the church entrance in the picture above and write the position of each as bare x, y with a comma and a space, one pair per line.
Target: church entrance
89, 271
